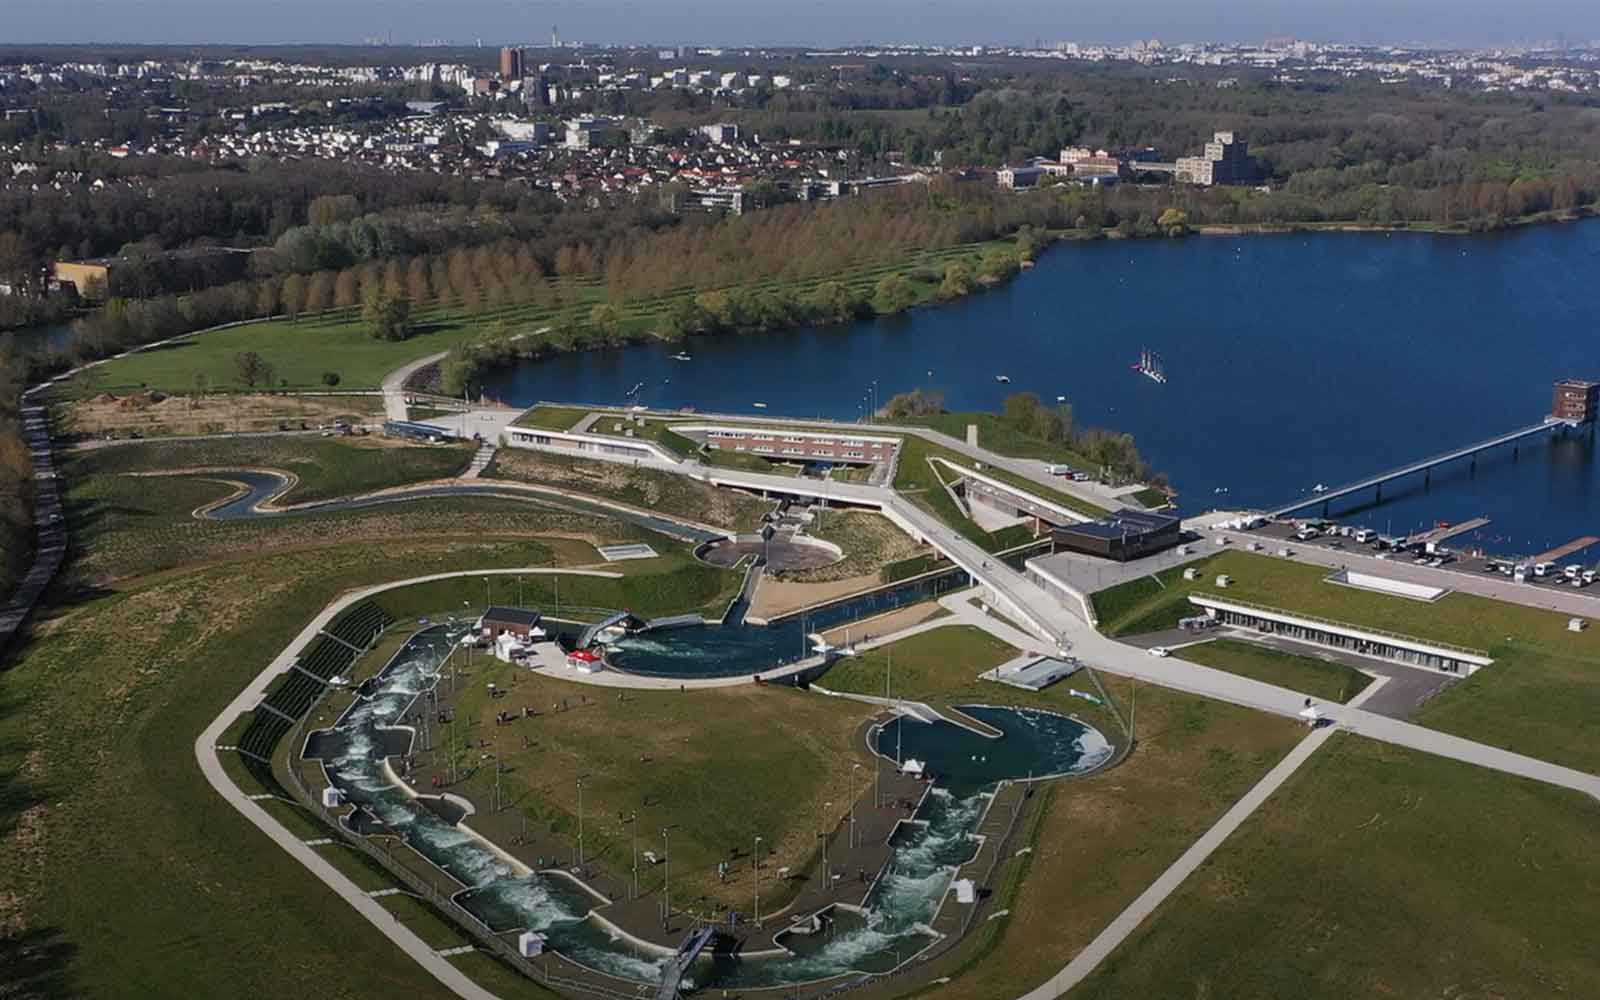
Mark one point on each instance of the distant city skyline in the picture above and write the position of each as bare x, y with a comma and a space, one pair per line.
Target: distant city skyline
1475, 23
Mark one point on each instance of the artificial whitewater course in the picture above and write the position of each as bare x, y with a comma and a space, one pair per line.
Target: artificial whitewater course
506, 895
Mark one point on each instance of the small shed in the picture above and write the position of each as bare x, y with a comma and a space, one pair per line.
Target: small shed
520, 622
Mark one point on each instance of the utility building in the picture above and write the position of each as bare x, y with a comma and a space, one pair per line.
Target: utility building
1577, 400
1127, 534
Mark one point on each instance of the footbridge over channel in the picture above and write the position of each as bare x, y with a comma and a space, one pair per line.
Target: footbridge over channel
1424, 466
1010, 591
672, 977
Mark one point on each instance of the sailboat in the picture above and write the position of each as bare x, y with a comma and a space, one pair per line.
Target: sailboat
1149, 365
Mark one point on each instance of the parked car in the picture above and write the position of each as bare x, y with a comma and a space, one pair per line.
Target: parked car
1160, 651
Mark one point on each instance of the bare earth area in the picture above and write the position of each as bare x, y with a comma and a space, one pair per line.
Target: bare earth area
776, 597
153, 414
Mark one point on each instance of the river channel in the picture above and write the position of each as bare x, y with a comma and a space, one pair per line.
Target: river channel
1292, 360
892, 926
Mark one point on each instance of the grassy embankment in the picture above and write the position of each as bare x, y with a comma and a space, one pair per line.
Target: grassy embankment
1541, 696
124, 526
869, 540
301, 351
924, 483
1097, 842
666, 492
1381, 871
325, 468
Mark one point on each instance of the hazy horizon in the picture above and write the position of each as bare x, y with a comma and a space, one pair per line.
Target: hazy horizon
821, 23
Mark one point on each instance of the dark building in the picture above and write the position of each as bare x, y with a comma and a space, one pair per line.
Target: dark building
1576, 399
518, 621
1126, 534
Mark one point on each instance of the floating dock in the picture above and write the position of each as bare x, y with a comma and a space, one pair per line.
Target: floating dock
1448, 531
1562, 551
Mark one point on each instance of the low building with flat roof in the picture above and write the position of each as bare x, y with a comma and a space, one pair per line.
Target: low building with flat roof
1410, 651
499, 620
1123, 535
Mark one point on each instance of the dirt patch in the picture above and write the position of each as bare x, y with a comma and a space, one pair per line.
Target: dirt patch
667, 492
888, 624
779, 597
155, 414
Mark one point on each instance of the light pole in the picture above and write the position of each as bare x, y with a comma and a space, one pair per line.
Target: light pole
486, 593
633, 820
580, 822
755, 866
853, 769
666, 882
827, 882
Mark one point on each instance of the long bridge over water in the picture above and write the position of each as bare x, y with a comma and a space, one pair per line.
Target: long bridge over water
1425, 466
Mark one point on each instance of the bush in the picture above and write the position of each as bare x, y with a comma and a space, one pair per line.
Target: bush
330, 379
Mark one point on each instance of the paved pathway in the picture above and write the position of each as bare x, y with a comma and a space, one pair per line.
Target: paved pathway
394, 385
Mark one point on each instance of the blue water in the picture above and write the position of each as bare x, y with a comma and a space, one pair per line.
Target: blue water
906, 897
1293, 360
1037, 744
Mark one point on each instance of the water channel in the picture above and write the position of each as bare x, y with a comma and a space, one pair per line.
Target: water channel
891, 928
1292, 360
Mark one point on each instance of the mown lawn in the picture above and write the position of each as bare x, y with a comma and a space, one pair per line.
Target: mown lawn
941, 664
1380, 871
1322, 679
684, 760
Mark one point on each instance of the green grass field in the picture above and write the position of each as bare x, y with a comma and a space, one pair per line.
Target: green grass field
665, 754
1322, 679
1381, 872
941, 665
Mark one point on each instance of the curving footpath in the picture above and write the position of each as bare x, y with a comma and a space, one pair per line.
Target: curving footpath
206, 753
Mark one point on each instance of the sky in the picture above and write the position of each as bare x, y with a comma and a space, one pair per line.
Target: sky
798, 22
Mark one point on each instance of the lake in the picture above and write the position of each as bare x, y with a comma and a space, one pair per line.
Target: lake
1291, 360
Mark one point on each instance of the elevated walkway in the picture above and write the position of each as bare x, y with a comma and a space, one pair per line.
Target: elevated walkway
1423, 466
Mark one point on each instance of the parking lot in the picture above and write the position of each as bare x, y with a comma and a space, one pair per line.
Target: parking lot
1469, 574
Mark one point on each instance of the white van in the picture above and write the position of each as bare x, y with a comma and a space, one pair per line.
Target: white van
1543, 569
1364, 535
1571, 571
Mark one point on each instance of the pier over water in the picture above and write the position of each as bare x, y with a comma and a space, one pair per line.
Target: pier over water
1577, 403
